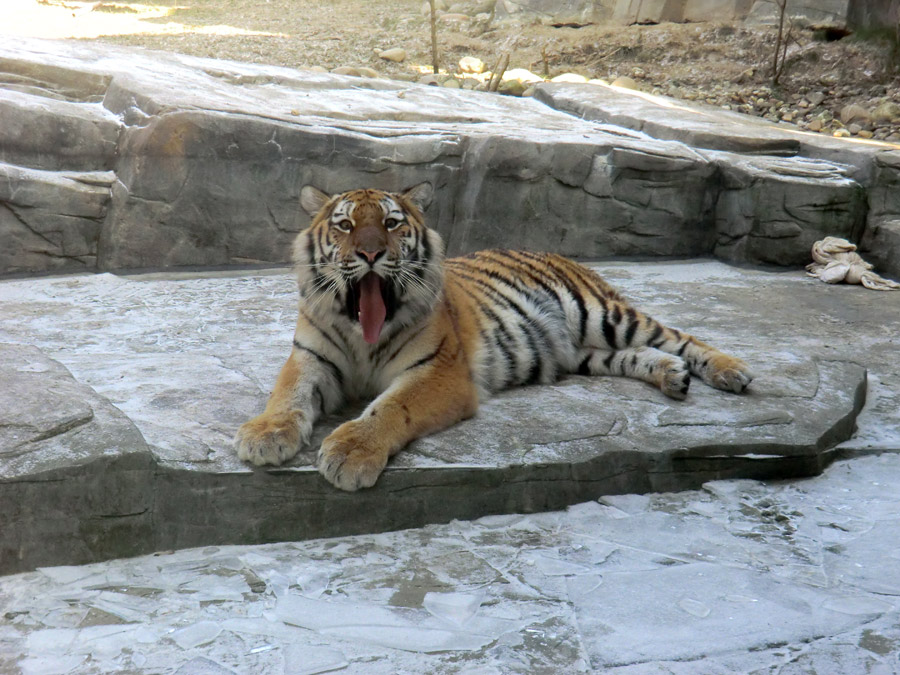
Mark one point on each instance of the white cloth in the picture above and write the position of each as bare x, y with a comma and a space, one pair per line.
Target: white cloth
836, 260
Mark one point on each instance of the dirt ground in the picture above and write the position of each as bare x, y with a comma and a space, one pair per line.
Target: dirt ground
728, 65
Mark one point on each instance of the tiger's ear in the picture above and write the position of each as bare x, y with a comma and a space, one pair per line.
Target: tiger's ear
312, 199
420, 194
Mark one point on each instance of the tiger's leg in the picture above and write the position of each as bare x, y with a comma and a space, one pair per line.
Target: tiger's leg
666, 371
427, 397
621, 326
306, 387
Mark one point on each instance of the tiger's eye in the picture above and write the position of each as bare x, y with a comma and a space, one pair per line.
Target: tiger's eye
344, 225
392, 224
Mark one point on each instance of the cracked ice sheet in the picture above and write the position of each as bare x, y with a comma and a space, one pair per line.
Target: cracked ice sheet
738, 577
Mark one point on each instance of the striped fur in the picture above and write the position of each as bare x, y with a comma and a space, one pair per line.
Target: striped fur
446, 333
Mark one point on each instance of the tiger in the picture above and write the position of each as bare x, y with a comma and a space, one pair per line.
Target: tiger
383, 315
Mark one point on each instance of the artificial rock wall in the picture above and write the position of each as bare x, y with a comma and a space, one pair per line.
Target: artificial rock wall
117, 159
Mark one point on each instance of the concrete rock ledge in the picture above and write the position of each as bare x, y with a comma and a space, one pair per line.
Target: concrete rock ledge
186, 358
778, 189
125, 159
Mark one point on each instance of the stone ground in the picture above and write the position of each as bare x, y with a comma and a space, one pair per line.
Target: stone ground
740, 576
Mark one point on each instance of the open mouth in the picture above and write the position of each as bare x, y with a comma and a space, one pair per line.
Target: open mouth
372, 302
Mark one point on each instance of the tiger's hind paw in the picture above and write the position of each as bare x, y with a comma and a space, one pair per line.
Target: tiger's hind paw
731, 375
272, 438
676, 378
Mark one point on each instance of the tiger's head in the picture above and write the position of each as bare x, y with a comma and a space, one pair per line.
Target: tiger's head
368, 256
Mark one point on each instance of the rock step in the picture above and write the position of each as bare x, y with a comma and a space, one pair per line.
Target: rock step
83, 480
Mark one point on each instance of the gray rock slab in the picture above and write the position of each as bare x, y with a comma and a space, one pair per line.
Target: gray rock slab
737, 577
823, 185
208, 158
75, 473
51, 220
189, 357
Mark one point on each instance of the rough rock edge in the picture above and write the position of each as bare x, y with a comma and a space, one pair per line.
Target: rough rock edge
160, 507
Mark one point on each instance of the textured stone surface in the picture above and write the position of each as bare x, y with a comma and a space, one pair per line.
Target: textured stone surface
189, 357
656, 11
740, 577
176, 161
881, 241
775, 190
75, 473
51, 220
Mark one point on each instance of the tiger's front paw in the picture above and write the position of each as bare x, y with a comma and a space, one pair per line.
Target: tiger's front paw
729, 374
272, 438
348, 459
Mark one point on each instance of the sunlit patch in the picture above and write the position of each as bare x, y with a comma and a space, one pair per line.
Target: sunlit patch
63, 19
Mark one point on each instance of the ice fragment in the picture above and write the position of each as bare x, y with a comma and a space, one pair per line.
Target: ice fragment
859, 605
197, 634
313, 582
457, 608
203, 666
303, 660
694, 607
42, 665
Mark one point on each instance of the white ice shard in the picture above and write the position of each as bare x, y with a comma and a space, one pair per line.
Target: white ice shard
200, 633
308, 660
694, 607
313, 582
409, 631
456, 608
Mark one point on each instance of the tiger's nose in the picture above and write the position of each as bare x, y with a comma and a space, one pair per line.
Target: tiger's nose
371, 256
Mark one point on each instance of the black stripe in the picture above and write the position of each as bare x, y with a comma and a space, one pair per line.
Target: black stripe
430, 357
322, 332
508, 356
563, 277
583, 366
409, 339
608, 361
616, 314
310, 248
609, 333
528, 328
656, 333
632, 326
343, 338
327, 362
681, 349
426, 257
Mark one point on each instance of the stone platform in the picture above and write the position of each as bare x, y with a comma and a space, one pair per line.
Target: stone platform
121, 396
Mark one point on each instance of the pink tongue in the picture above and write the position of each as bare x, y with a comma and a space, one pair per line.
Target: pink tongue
371, 307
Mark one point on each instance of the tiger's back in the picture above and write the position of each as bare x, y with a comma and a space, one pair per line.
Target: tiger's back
383, 314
